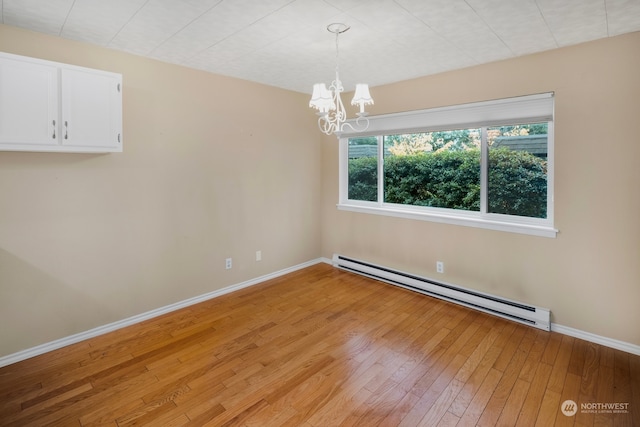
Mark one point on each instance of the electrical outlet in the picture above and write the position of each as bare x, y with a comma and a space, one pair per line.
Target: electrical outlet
440, 266
258, 255
228, 263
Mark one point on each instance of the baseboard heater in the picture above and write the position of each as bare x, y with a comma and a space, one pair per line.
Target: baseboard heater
508, 309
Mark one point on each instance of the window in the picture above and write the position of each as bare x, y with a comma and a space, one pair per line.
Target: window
485, 165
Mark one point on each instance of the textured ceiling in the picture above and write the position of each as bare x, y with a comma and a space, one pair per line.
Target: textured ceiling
285, 43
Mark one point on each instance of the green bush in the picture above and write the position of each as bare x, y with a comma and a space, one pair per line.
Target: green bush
448, 179
363, 179
517, 183
451, 179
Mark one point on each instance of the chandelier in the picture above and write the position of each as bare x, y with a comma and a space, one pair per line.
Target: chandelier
331, 113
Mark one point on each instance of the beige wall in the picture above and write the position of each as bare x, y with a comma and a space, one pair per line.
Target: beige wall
210, 170
589, 276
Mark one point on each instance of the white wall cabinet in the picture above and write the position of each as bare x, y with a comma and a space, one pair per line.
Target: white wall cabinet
49, 106
29, 104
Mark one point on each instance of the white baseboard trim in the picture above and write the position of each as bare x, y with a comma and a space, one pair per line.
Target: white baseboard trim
100, 330
326, 260
598, 339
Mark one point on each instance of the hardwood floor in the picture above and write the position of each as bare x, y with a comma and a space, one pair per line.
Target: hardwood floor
322, 347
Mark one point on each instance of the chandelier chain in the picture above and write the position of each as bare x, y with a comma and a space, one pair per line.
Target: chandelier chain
337, 53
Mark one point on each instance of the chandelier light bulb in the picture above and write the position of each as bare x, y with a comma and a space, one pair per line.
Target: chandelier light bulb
362, 97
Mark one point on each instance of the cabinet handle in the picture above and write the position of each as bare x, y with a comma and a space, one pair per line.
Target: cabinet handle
66, 130
54, 130
118, 137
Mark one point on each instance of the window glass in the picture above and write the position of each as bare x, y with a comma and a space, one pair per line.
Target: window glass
435, 169
363, 169
517, 172
486, 164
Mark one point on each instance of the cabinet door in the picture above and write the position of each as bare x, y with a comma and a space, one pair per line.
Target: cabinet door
91, 110
28, 104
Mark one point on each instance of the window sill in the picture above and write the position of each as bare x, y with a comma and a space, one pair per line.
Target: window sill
454, 219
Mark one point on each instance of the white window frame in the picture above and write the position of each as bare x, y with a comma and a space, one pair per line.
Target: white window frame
503, 112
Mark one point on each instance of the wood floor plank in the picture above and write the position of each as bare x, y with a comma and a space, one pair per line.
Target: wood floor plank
449, 420
533, 401
533, 359
146, 414
340, 402
604, 390
548, 410
503, 389
445, 398
590, 371
321, 347
382, 401
510, 348
427, 406
576, 361
471, 386
451, 344
561, 364
633, 417
626, 383
570, 392
270, 415
552, 349
69, 411
106, 415
514, 403
211, 412
479, 402
312, 395
40, 368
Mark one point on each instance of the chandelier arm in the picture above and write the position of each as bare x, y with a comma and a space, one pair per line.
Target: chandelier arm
359, 126
365, 124
326, 124
322, 121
